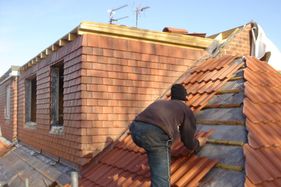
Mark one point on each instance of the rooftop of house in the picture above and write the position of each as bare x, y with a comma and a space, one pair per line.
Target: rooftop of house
24, 163
237, 105
12, 71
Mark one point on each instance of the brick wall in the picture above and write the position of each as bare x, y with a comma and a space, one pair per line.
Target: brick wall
240, 44
9, 126
120, 77
66, 146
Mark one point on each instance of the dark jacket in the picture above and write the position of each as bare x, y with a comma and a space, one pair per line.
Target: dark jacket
175, 118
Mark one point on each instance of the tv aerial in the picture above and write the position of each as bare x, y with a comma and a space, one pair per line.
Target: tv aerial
139, 10
112, 12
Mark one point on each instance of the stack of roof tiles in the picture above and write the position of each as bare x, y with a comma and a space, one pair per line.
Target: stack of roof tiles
124, 164
262, 108
3, 148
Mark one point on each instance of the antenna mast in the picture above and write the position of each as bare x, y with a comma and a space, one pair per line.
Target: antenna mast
138, 12
113, 11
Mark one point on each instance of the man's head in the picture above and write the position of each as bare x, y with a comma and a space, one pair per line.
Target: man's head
178, 92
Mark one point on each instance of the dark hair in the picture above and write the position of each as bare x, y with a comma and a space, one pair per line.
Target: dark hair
178, 92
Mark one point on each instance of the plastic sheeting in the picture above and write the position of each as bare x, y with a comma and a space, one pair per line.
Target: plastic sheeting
262, 44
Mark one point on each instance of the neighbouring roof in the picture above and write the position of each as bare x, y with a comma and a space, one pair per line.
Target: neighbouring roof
124, 164
121, 31
13, 71
23, 163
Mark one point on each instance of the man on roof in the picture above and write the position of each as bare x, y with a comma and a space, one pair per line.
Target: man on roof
158, 125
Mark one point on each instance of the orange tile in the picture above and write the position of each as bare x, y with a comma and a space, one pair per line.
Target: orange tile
262, 108
273, 183
4, 149
261, 164
264, 134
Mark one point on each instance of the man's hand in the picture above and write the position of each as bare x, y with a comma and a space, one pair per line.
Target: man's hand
202, 141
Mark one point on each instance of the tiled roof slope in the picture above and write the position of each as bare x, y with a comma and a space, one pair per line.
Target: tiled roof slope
262, 108
125, 165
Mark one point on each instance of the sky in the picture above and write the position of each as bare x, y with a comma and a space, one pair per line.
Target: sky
29, 26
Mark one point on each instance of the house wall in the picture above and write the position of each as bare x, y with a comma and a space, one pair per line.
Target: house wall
9, 126
65, 146
120, 77
107, 81
240, 44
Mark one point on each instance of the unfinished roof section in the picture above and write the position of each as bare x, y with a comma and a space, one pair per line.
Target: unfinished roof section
262, 108
225, 34
121, 31
125, 164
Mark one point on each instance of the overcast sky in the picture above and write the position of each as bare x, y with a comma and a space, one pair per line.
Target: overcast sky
29, 26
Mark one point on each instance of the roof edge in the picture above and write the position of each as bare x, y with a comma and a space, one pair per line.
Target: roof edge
86, 27
149, 35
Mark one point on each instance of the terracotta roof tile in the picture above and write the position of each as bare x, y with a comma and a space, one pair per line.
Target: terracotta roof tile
268, 95
208, 78
264, 135
262, 108
261, 164
275, 183
262, 112
4, 148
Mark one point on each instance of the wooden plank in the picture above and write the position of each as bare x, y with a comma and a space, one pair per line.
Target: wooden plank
71, 36
54, 47
42, 55
129, 32
62, 42
47, 51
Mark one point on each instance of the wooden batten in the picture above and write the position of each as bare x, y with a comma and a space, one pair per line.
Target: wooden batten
54, 47
62, 42
71, 36
42, 55
37, 59
47, 51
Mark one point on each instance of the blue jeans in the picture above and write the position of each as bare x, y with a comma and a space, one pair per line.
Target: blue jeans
157, 146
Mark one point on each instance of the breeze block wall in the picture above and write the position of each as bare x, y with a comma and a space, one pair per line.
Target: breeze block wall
9, 126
